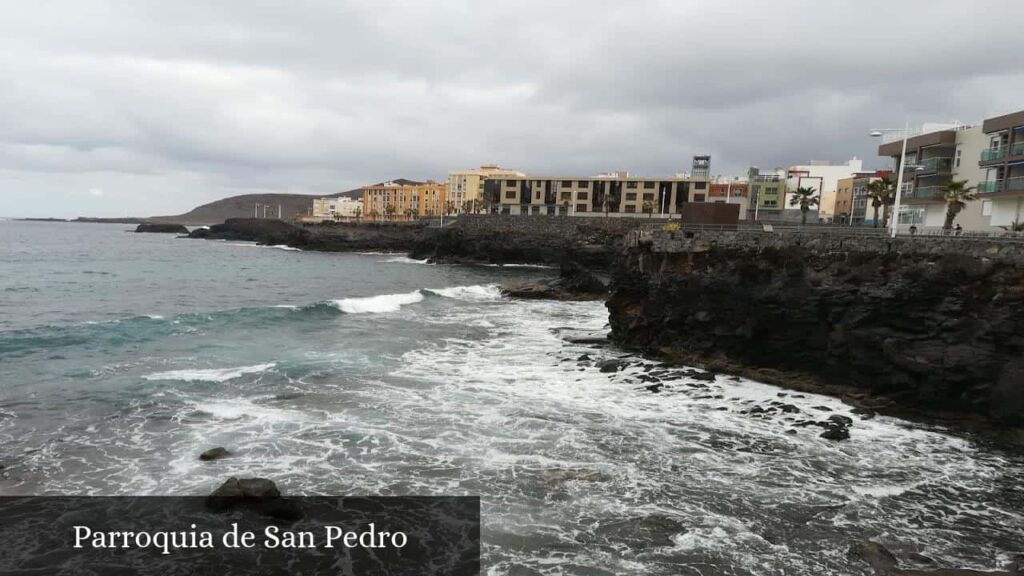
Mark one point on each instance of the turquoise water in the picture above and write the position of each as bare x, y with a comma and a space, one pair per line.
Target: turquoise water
123, 356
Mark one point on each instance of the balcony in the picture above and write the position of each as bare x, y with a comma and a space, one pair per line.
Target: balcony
994, 153
991, 186
1018, 149
939, 164
1015, 184
925, 193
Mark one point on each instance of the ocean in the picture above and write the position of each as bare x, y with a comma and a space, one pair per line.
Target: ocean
123, 356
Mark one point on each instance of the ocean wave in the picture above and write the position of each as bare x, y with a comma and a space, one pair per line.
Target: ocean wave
518, 265
479, 292
406, 260
286, 247
378, 304
210, 375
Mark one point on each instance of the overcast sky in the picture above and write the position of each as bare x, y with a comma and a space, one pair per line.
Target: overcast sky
152, 106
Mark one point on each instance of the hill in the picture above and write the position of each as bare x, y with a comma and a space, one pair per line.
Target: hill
247, 205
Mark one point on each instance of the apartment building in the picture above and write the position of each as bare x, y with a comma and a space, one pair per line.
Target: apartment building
394, 201
465, 186
334, 208
935, 158
615, 194
767, 194
1001, 162
824, 177
731, 191
852, 203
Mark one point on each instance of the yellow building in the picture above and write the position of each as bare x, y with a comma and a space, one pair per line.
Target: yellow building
392, 201
466, 186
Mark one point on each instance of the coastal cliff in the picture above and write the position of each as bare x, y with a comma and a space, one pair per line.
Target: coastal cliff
914, 326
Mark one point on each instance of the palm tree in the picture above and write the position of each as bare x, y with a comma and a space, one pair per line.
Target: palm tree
565, 204
608, 203
357, 212
389, 210
648, 207
374, 214
956, 194
449, 207
408, 213
805, 198
883, 194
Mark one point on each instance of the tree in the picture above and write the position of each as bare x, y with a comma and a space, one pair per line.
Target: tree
956, 194
357, 212
648, 207
883, 195
374, 214
389, 210
449, 207
565, 204
409, 212
608, 203
805, 198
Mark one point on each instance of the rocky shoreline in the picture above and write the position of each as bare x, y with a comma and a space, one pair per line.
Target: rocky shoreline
927, 338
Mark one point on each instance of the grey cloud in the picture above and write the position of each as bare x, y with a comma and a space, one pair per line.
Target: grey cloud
162, 105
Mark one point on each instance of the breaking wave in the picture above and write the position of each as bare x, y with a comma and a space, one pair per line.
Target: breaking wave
209, 375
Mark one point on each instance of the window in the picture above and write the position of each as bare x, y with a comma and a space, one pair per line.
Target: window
631, 197
986, 208
770, 203
958, 152
631, 209
630, 184
510, 182
648, 185
581, 207
510, 193
582, 196
536, 195
700, 185
698, 197
566, 196
648, 197
566, 183
583, 184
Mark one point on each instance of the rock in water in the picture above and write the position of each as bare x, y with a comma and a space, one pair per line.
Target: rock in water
836, 433
611, 365
840, 420
258, 494
162, 228
215, 453
876, 555
573, 283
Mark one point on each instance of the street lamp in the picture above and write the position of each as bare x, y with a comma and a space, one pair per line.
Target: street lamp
899, 170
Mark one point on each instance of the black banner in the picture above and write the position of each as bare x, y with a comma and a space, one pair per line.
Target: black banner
170, 536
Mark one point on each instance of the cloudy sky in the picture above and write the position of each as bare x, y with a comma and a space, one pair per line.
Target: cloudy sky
152, 107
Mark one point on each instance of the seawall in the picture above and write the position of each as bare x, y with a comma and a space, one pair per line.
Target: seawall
926, 326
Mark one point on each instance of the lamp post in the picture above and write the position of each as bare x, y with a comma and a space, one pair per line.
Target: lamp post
899, 171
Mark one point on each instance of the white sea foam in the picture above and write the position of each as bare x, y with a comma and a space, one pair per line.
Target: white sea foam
479, 292
378, 304
405, 260
209, 375
286, 247
518, 266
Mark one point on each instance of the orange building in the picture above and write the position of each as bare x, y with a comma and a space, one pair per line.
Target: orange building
727, 190
392, 201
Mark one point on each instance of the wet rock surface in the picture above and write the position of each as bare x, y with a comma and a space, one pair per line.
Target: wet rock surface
931, 335
162, 228
573, 283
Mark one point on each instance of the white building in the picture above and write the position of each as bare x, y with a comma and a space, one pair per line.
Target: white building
824, 177
335, 208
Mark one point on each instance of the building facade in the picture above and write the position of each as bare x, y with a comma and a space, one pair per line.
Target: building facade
393, 201
612, 194
824, 178
1001, 162
933, 160
767, 194
335, 208
467, 186
733, 191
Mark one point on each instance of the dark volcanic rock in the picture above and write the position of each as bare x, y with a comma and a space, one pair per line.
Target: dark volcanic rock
836, 433
573, 283
840, 420
215, 453
613, 365
257, 494
162, 228
916, 328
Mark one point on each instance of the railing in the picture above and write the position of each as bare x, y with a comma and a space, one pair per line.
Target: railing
1015, 183
926, 192
991, 186
994, 153
938, 163
1018, 149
